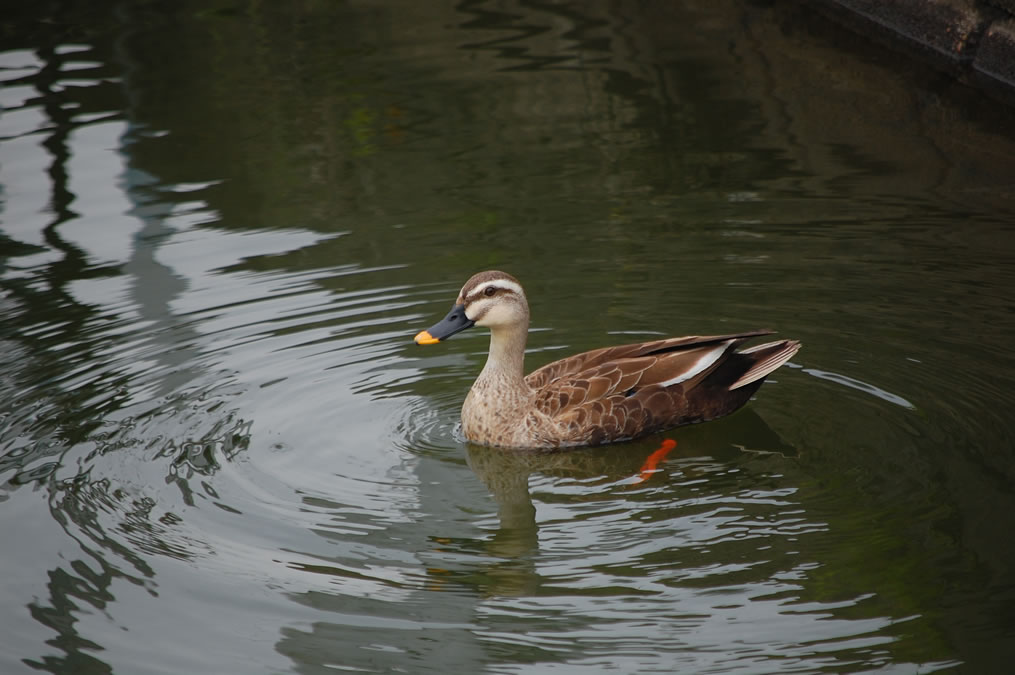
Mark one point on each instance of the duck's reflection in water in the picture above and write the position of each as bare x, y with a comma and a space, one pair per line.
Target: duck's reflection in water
587, 483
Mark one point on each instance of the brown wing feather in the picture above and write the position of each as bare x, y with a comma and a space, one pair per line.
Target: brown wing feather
579, 362
617, 392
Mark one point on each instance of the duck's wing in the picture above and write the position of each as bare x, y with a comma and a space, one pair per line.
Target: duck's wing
632, 390
685, 347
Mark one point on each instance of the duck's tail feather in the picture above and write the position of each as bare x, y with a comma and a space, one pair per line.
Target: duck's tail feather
769, 356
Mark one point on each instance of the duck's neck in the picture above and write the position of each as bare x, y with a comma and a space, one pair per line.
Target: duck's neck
505, 366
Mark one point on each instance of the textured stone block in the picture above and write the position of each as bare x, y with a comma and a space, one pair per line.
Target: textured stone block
996, 54
949, 27
1006, 5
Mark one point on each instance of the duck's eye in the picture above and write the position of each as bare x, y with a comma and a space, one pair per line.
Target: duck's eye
489, 290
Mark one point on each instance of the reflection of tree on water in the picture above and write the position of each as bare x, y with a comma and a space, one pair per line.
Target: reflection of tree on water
54, 417
67, 592
81, 403
116, 524
42, 298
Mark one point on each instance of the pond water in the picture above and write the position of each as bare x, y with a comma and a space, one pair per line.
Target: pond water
222, 223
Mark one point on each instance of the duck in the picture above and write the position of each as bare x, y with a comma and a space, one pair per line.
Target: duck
606, 395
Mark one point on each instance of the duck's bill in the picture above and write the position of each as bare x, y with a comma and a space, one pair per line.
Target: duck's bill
454, 322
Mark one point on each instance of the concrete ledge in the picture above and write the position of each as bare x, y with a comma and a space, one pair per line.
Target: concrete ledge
950, 27
974, 39
995, 56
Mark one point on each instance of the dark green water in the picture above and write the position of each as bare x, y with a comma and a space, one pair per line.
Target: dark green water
222, 223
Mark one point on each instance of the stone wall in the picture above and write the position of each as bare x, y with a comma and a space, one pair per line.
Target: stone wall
975, 39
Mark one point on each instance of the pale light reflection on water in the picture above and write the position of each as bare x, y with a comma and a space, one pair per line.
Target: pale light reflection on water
220, 451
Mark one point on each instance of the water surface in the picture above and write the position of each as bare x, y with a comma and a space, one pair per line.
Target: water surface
220, 226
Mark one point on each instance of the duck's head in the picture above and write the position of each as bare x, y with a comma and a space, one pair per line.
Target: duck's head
491, 299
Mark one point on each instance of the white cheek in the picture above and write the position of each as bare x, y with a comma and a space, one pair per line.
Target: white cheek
494, 316
497, 314
475, 309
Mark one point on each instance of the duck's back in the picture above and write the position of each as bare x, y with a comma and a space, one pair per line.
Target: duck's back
624, 392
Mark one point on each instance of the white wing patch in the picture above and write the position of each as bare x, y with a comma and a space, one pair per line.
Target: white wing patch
703, 362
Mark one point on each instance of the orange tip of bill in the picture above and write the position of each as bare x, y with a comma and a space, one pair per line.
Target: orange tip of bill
424, 338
